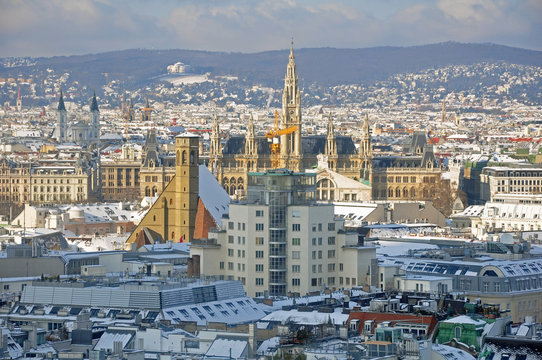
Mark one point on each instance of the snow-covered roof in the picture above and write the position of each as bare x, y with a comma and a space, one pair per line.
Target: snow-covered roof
108, 339
307, 318
225, 348
213, 195
231, 311
464, 319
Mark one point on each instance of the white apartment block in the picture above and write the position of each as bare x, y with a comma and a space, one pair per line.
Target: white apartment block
281, 241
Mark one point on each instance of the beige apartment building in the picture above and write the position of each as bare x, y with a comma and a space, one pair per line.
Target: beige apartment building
281, 241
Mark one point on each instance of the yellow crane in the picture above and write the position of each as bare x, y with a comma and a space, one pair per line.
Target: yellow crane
273, 136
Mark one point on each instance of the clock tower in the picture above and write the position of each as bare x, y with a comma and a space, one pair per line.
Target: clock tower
290, 144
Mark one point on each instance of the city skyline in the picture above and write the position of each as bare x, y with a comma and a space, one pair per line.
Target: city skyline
50, 28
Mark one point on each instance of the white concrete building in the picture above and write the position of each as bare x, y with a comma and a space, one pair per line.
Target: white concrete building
280, 241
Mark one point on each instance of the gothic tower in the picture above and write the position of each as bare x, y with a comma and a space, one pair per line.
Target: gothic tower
215, 150
61, 120
366, 150
331, 144
443, 111
94, 121
290, 150
251, 149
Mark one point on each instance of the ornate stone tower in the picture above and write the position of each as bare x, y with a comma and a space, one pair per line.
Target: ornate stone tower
61, 120
251, 149
366, 150
215, 151
331, 144
187, 184
290, 150
94, 136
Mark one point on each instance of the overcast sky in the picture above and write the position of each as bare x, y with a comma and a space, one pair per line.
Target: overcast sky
66, 27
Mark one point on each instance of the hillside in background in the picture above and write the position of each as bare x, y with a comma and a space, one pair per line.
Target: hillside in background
323, 66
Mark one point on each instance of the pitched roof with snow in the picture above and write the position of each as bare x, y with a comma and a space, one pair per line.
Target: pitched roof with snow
230, 349
213, 195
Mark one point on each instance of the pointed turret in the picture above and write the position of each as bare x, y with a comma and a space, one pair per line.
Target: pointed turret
94, 103
60, 131
215, 148
250, 142
61, 106
331, 145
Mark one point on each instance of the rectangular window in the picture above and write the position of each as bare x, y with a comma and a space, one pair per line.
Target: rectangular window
314, 269
314, 282
259, 213
330, 267
259, 267
331, 227
296, 282
341, 267
259, 227
259, 240
296, 241
259, 254
314, 255
230, 252
319, 241
296, 268
296, 254
313, 241
331, 281
230, 225
319, 227
259, 281
222, 265
296, 227
230, 266
319, 254
331, 240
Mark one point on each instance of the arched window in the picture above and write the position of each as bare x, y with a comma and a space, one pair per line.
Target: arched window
147, 191
192, 157
171, 201
405, 192
184, 157
412, 192
390, 192
457, 332
397, 192
154, 191
173, 235
325, 190
232, 190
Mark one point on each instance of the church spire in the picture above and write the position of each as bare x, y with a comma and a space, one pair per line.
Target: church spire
94, 103
61, 106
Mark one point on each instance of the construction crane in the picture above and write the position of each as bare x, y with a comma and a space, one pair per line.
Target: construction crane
273, 136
